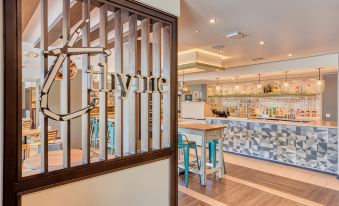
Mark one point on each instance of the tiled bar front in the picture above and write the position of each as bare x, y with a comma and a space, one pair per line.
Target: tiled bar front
313, 147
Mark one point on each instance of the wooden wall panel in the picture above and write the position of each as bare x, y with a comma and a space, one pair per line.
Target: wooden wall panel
65, 89
103, 84
130, 100
166, 139
85, 121
118, 51
145, 97
43, 72
156, 99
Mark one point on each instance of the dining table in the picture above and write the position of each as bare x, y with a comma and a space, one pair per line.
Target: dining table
206, 132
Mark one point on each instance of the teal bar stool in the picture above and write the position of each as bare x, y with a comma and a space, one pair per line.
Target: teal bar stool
186, 145
94, 131
110, 132
212, 151
212, 148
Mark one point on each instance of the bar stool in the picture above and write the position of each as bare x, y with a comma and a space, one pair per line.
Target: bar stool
212, 151
186, 146
110, 132
94, 131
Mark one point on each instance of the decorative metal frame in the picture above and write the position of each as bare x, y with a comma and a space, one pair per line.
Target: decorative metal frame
61, 54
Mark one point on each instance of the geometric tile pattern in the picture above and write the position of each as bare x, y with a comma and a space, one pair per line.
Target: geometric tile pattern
311, 147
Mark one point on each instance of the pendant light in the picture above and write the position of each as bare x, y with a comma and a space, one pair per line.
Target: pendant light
319, 82
259, 81
286, 83
73, 71
217, 87
184, 89
236, 82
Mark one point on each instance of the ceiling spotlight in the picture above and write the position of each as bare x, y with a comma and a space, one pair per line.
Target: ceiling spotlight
290, 55
261, 43
197, 31
212, 21
222, 51
181, 26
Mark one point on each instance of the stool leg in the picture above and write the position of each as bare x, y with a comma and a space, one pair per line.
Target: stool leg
196, 154
209, 151
213, 153
186, 162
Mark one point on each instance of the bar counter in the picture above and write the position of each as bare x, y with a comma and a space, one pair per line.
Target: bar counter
312, 145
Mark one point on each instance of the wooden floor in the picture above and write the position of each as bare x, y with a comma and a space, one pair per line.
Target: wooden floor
246, 186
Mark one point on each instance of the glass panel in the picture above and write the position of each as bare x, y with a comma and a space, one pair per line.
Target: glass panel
90, 108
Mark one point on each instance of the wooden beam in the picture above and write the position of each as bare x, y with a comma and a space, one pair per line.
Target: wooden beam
156, 100
103, 84
65, 89
118, 109
85, 121
145, 97
43, 72
130, 101
28, 8
55, 30
166, 138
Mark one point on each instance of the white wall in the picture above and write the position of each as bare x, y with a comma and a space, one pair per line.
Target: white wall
145, 185
169, 6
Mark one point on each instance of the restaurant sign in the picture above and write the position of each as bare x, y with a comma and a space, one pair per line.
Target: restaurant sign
120, 83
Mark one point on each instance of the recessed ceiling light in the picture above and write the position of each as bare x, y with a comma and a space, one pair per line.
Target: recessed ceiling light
261, 43
212, 21
197, 31
218, 46
258, 59
235, 35
290, 55
222, 51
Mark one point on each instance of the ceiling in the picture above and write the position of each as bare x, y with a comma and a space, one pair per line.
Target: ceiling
301, 28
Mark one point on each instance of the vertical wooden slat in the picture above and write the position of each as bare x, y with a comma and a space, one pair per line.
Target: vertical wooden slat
156, 100
103, 94
129, 137
145, 70
85, 96
338, 119
43, 72
65, 89
118, 108
166, 140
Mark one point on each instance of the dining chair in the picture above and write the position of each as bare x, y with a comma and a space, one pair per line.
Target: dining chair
26, 123
186, 145
52, 136
25, 151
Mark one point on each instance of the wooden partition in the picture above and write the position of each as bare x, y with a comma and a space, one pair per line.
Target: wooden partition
141, 83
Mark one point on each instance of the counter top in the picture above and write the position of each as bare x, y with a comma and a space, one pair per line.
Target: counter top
329, 124
199, 126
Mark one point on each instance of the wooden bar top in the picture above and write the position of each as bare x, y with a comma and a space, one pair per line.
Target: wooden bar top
199, 126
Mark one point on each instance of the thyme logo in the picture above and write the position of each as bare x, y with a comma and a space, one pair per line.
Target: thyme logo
143, 83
